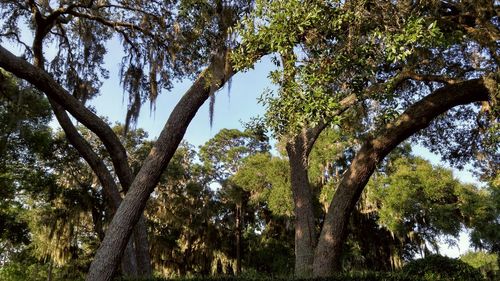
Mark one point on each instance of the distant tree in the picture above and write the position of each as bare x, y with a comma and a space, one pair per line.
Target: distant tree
421, 203
486, 263
266, 180
483, 217
223, 156
184, 219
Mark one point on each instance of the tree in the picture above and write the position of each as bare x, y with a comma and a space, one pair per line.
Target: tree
422, 203
154, 40
485, 262
24, 135
223, 156
184, 217
348, 61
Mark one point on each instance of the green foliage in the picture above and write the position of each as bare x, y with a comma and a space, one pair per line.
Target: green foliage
483, 213
267, 179
223, 154
328, 50
184, 230
356, 276
14, 271
25, 141
420, 201
487, 263
436, 267
271, 254
415, 33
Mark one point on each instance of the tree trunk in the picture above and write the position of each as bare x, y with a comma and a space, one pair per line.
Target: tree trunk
238, 218
142, 249
129, 212
49, 272
305, 232
415, 118
129, 261
298, 149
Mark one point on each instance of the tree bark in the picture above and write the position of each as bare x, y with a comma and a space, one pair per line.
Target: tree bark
127, 215
415, 118
298, 150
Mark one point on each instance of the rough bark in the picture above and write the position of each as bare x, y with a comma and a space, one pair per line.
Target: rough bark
305, 234
298, 149
127, 215
415, 118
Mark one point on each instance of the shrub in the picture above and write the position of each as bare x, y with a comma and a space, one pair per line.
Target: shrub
485, 262
436, 267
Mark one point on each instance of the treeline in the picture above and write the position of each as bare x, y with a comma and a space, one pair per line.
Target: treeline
224, 208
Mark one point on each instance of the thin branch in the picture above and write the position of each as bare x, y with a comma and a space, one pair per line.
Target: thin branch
17, 39
112, 24
44, 82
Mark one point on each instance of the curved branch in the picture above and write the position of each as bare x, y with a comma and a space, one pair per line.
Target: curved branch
85, 150
415, 118
45, 83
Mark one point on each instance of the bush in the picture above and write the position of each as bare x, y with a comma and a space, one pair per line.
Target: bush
485, 262
369, 276
436, 267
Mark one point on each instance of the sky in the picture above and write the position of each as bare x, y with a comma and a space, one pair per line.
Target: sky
231, 108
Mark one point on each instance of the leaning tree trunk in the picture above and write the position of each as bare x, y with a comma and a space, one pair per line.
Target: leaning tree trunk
415, 118
129, 212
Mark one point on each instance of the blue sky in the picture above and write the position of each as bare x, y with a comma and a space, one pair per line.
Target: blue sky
231, 107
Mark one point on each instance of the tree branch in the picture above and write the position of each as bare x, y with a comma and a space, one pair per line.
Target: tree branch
86, 151
44, 82
415, 118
